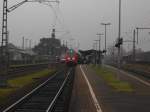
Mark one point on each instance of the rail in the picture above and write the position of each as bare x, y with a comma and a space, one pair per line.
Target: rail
47, 93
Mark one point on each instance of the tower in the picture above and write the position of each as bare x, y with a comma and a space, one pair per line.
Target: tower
53, 33
4, 56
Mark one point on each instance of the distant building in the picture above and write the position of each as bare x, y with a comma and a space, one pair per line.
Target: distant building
139, 57
17, 54
49, 47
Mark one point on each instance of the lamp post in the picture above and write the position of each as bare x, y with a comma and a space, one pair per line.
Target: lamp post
95, 44
105, 24
99, 54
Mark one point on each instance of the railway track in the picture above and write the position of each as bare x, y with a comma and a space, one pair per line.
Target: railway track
18, 69
137, 72
15, 71
52, 95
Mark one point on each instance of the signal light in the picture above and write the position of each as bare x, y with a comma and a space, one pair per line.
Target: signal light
116, 45
119, 42
71, 51
68, 58
104, 51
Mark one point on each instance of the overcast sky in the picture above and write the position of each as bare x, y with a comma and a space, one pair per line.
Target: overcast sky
82, 19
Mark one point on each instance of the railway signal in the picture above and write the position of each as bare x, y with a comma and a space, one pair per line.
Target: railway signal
119, 42
104, 51
71, 51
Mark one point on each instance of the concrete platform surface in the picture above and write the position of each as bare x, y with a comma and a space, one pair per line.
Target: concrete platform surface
108, 99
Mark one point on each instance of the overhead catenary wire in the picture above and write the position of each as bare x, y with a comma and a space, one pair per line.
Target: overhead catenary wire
58, 19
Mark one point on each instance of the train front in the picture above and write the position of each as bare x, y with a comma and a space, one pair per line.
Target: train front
71, 58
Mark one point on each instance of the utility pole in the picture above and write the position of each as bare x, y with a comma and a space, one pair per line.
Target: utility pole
96, 52
63, 42
113, 53
119, 34
30, 43
4, 30
23, 47
4, 61
23, 43
93, 53
134, 45
66, 46
26, 43
78, 46
105, 24
137, 34
99, 54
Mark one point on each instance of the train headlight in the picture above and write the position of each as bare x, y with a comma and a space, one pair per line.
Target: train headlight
68, 58
73, 58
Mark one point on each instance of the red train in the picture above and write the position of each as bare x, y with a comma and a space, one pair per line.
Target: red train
71, 58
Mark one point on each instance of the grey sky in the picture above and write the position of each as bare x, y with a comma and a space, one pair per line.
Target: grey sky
82, 18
